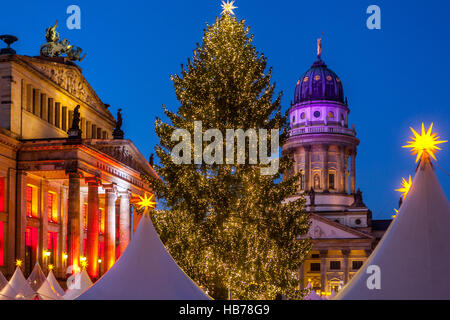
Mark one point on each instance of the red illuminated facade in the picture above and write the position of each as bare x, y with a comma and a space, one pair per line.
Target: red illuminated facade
62, 199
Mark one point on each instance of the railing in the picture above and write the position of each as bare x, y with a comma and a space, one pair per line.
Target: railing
330, 129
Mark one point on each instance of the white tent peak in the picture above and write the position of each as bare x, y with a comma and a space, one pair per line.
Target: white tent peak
20, 284
411, 261
80, 283
54, 283
145, 271
37, 277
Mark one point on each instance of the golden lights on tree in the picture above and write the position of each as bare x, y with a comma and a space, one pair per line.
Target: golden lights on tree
425, 143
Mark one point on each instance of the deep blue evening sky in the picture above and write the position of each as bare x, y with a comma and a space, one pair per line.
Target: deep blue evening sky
394, 78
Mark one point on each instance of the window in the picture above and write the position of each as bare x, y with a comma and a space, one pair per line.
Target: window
58, 115
99, 133
2, 237
50, 107
316, 114
315, 267
2, 194
356, 265
335, 265
331, 181
64, 118
52, 243
31, 202
316, 181
302, 181
315, 256
302, 115
52, 210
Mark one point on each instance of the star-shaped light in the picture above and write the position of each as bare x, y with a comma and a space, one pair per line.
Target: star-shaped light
18, 263
146, 202
228, 7
406, 185
395, 215
424, 144
50, 267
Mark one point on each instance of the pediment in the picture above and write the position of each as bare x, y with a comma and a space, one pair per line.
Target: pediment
323, 228
68, 77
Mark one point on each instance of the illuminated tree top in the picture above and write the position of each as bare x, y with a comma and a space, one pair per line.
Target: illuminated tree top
228, 7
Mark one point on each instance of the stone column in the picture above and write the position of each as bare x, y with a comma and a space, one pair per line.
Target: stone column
353, 172
110, 226
21, 219
11, 232
325, 167
345, 173
74, 221
307, 168
124, 221
43, 261
93, 227
62, 243
323, 270
346, 253
341, 169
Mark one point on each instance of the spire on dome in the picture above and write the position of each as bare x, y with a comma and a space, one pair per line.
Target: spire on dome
319, 46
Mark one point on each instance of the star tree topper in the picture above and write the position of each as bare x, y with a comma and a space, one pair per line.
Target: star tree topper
228, 7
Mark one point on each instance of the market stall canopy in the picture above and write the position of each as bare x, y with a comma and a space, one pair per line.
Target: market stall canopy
54, 283
80, 283
145, 271
412, 259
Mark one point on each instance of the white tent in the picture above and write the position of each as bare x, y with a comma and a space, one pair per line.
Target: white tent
36, 278
3, 281
80, 283
46, 292
312, 295
20, 285
412, 260
54, 283
145, 271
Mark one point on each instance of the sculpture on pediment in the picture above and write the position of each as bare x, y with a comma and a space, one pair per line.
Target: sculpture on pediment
75, 131
56, 47
118, 133
358, 200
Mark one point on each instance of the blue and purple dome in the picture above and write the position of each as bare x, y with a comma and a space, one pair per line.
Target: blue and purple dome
319, 83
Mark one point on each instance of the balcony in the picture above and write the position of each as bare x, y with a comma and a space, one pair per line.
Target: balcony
322, 129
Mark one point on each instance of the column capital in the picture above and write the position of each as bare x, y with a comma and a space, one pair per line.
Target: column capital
326, 146
126, 193
110, 187
93, 181
307, 147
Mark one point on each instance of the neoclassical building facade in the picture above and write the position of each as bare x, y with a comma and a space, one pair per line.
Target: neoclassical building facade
324, 150
63, 200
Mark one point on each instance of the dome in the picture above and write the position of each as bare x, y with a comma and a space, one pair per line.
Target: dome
319, 83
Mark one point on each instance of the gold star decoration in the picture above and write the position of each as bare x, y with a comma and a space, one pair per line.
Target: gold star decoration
406, 185
18, 263
228, 7
424, 144
146, 202
50, 267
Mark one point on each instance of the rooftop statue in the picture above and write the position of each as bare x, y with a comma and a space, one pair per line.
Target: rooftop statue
56, 47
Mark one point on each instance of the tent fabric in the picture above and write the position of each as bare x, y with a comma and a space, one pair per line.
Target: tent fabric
3, 281
20, 285
46, 292
412, 259
36, 278
54, 283
312, 295
80, 283
8, 293
145, 271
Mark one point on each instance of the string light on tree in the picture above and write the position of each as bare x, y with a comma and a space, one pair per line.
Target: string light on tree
424, 144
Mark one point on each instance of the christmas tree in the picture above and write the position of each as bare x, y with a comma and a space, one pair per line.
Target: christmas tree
228, 225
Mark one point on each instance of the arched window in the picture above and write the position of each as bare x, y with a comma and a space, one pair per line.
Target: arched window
316, 181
